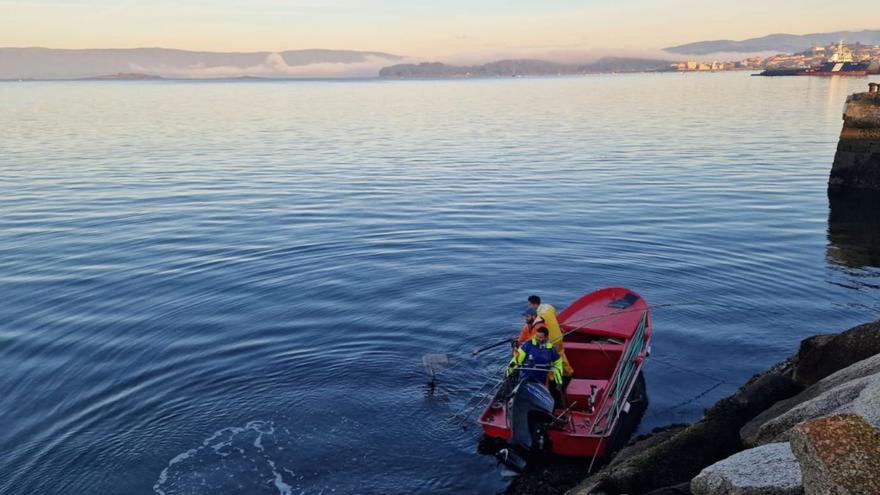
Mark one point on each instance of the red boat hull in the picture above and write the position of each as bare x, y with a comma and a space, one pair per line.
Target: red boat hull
606, 333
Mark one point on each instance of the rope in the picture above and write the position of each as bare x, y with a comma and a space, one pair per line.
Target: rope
718, 382
622, 377
686, 402
681, 368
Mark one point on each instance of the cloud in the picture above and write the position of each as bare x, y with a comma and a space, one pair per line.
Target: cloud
275, 66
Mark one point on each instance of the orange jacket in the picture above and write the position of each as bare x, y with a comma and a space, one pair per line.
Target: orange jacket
528, 332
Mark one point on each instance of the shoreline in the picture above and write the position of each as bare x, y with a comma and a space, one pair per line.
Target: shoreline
665, 461
258, 79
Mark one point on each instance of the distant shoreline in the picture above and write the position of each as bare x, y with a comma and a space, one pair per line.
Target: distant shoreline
365, 78
192, 79
248, 79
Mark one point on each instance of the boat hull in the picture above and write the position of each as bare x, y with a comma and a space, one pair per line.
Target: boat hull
607, 337
854, 69
854, 73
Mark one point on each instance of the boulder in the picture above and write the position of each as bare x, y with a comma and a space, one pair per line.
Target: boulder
853, 390
677, 457
839, 455
822, 355
649, 441
766, 470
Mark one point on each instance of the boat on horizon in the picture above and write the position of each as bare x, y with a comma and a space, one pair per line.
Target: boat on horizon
840, 63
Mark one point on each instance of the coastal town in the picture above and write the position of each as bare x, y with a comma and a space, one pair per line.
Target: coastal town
814, 56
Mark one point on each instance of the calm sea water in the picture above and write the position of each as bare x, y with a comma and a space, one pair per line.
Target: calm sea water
216, 288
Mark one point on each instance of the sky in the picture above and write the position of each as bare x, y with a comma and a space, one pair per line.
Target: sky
441, 29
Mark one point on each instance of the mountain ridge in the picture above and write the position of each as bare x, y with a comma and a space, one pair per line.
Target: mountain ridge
778, 42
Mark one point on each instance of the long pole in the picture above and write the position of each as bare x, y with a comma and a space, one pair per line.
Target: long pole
492, 346
586, 322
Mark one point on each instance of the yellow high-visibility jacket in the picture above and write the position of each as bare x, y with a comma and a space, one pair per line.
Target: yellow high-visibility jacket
544, 363
548, 313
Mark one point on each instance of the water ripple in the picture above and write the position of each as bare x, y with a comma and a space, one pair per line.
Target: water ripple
226, 288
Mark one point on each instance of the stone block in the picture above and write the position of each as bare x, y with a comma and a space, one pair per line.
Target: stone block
838, 455
852, 390
822, 355
766, 470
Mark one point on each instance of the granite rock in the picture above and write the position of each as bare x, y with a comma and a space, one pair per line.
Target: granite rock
838, 455
676, 457
766, 470
822, 355
852, 390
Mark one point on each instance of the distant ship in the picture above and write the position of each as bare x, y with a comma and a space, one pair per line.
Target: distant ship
839, 64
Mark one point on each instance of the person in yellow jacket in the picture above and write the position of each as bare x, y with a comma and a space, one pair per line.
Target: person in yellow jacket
547, 313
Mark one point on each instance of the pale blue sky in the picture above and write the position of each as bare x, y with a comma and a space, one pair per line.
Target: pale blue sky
418, 28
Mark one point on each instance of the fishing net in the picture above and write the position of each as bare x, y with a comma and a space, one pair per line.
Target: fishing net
435, 363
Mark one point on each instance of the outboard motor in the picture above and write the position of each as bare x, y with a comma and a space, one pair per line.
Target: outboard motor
511, 459
531, 412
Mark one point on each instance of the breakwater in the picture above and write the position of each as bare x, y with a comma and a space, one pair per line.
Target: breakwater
857, 161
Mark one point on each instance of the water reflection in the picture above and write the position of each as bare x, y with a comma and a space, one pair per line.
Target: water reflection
854, 230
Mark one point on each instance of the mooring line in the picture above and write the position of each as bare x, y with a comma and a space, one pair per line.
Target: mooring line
718, 382
684, 403
682, 368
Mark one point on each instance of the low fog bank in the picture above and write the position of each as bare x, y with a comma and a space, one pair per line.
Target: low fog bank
46, 63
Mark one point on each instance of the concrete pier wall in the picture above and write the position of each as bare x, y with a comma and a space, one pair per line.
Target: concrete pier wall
857, 162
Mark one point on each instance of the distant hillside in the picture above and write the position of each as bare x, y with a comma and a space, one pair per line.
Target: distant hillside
47, 63
626, 64
783, 43
501, 68
123, 76
526, 67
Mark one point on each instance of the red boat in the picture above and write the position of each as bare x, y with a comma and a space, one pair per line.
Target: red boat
606, 337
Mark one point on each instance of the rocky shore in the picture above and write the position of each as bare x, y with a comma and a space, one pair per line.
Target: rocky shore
808, 425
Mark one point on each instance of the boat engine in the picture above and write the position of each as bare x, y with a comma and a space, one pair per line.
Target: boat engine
511, 459
531, 412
